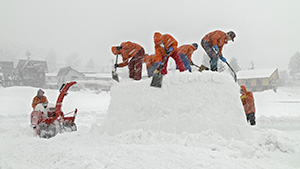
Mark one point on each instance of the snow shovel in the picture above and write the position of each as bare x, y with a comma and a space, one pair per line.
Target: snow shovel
114, 72
157, 77
234, 74
201, 68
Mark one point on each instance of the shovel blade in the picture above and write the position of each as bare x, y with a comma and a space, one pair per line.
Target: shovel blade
115, 76
156, 80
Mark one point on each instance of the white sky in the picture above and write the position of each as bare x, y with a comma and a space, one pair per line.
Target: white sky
267, 30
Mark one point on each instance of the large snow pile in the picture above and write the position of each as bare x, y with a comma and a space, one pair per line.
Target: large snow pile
186, 103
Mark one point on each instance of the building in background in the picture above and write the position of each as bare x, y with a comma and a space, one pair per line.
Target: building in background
32, 72
258, 80
9, 74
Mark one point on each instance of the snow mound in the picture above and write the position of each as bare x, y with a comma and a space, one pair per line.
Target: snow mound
186, 103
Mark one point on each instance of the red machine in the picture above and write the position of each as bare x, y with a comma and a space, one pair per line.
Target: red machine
48, 120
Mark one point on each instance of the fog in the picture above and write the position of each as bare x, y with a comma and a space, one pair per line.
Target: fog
267, 31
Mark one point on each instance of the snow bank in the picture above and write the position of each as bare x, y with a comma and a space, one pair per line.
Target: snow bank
186, 103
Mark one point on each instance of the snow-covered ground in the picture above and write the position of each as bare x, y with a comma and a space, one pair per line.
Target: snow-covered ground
193, 121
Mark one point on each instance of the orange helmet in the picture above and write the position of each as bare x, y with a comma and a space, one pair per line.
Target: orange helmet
157, 37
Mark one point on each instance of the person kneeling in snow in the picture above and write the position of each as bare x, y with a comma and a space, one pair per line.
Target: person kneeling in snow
151, 64
185, 52
39, 98
248, 103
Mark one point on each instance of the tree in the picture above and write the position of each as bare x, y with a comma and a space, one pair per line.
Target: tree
252, 66
234, 64
206, 60
90, 65
294, 65
51, 61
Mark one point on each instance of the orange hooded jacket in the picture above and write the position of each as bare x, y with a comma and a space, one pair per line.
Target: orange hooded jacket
129, 49
247, 100
163, 41
187, 50
149, 60
36, 100
216, 38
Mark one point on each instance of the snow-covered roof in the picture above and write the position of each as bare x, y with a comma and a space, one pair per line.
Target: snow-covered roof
98, 75
257, 73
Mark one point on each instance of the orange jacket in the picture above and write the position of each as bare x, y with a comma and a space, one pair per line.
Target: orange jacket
129, 49
248, 101
36, 100
149, 60
216, 38
167, 41
187, 50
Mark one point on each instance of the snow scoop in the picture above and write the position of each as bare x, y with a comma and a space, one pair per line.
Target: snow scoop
158, 77
234, 74
114, 72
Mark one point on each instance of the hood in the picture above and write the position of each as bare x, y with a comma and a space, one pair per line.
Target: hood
243, 88
157, 37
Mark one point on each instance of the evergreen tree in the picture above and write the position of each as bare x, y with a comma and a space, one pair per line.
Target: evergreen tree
294, 65
234, 64
90, 65
51, 61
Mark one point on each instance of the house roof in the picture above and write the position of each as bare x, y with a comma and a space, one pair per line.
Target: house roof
257, 73
64, 71
41, 66
6, 65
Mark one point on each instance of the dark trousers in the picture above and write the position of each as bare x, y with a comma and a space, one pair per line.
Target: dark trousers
135, 65
251, 118
208, 48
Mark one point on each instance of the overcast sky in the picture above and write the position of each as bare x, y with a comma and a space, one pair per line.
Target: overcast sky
268, 31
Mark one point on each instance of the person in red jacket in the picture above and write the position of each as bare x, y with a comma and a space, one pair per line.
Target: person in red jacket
136, 53
213, 43
185, 52
166, 46
39, 98
248, 103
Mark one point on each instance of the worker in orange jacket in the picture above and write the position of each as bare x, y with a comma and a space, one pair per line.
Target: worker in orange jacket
248, 103
151, 64
185, 52
213, 43
39, 98
166, 46
135, 52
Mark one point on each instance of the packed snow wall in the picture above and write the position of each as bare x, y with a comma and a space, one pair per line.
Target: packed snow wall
187, 102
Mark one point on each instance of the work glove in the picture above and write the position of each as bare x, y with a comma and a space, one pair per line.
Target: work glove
116, 65
160, 65
216, 48
222, 58
169, 51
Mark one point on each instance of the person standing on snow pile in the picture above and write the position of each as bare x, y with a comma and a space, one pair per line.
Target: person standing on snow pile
151, 64
248, 103
213, 43
166, 46
185, 52
39, 98
130, 50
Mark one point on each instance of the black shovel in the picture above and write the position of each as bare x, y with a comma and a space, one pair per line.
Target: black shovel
234, 74
114, 72
158, 77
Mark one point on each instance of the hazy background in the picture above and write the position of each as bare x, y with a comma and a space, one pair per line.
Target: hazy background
82, 31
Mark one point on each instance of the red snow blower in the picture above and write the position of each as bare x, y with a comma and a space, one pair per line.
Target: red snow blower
48, 119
